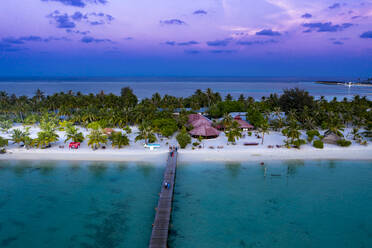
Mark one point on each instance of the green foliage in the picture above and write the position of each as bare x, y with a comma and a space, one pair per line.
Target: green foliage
118, 139
293, 134
94, 126
228, 106
31, 119
183, 138
298, 143
262, 126
334, 124
344, 143
165, 126
146, 133
311, 134
48, 122
45, 138
196, 144
255, 117
96, 138
64, 125
19, 136
233, 132
28, 142
127, 129
295, 99
73, 134
5, 125
128, 98
318, 144
3, 142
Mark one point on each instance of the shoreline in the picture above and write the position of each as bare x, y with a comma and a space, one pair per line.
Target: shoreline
190, 156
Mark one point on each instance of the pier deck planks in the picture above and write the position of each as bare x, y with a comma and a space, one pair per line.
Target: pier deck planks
160, 229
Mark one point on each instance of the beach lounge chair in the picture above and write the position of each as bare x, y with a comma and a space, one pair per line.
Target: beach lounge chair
251, 144
151, 146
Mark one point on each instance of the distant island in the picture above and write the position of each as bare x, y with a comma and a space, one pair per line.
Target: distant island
359, 82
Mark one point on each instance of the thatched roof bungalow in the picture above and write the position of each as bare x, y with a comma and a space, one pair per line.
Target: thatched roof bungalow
243, 124
331, 138
204, 131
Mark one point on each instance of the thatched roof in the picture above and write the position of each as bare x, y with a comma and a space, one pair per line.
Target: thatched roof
331, 138
205, 131
195, 117
201, 122
242, 123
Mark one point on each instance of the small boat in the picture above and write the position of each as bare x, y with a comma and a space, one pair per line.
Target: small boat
349, 84
152, 146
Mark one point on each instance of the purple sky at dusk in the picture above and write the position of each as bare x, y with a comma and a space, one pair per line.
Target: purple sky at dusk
180, 37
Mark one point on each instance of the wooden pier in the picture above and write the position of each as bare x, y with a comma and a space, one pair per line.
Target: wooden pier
160, 229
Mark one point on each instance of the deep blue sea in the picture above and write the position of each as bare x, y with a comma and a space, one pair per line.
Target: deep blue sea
180, 86
97, 205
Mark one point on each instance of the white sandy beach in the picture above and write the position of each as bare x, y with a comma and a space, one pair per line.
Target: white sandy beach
209, 152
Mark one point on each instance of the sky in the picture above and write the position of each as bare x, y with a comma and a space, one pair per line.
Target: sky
111, 38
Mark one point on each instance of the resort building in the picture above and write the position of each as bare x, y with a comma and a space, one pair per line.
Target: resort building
244, 125
331, 138
202, 127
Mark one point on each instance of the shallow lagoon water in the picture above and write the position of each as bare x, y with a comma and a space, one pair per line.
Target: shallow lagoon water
87, 204
311, 204
67, 204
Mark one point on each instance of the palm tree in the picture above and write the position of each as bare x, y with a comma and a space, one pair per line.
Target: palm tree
334, 125
118, 139
73, 134
96, 138
146, 132
6, 125
263, 127
45, 138
234, 132
227, 120
18, 136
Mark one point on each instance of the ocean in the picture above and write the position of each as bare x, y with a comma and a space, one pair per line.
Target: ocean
95, 204
182, 87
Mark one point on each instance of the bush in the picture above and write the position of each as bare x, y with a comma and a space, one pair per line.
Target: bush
344, 143
318, 144
249, 133
183, 138
311, 134
166, 127
3, 142
195, 143
298, 143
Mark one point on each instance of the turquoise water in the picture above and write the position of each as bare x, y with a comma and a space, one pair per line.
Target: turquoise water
87, 204
312, 204
66, 204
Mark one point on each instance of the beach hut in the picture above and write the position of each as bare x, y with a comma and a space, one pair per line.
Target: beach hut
205, 131
243, 124
331, 138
